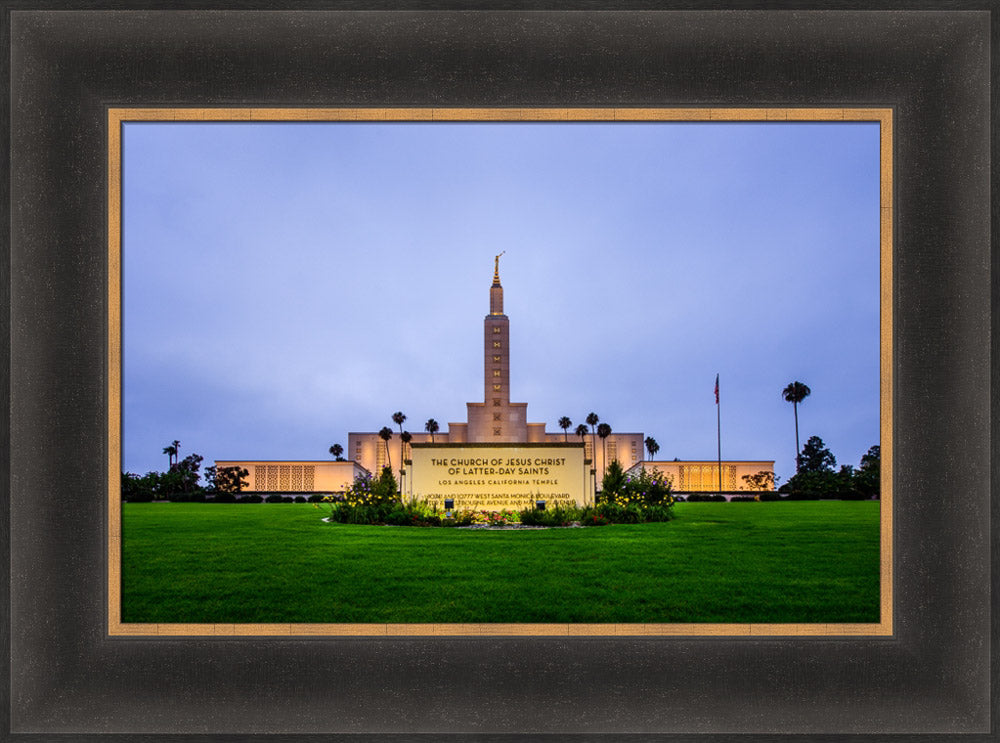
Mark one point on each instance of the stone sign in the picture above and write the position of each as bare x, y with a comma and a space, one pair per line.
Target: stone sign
496, 476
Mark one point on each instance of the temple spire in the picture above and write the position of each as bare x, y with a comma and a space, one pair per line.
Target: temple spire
496, 269
496, 291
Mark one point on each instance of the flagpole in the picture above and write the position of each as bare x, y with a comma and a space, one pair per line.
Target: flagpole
718, 429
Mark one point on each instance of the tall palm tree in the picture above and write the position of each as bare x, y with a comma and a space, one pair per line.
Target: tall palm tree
564, 424
795, 393
385, 434
431, 426
398, 419
604, 430
405, 437
581, 431
651, 446
336, 450
592, 421
171, 452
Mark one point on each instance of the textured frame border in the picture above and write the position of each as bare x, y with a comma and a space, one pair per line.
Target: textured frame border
117, 117
931, 680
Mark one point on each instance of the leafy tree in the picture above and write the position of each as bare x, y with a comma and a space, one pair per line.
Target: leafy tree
431, 426
136, 489
763, 480
335, 451
187, 471
815, 457
614, 479
651, 446
868, 478
564, 424
385, 434
227, 479
604, 430
795, 393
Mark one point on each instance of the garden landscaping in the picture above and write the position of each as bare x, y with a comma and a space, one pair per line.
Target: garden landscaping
809, 561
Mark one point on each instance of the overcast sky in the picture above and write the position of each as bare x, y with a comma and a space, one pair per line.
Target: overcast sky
286, 283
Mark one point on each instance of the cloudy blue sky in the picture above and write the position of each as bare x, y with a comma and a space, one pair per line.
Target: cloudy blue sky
284, 284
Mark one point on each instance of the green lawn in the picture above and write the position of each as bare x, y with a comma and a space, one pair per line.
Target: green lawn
716, 562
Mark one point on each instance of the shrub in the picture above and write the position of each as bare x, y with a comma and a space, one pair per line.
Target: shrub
225, 498
770, 496
706, 498
614, 480
274, 498
558, 514
287, 499
649, 487
658, 513
743, 499
300, 499
316, 498
255, 498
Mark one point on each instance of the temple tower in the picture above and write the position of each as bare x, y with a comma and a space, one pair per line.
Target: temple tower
496, 419
496, 340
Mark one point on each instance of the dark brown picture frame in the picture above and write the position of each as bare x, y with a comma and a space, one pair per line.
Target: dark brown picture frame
67, 675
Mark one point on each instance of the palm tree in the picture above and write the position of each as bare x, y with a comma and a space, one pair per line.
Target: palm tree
604, 430
651, 446
171, 452
385, 434
398, 419
431, 426
592, 420
405, 437
795, 393
564, 424
336, 450
581, 431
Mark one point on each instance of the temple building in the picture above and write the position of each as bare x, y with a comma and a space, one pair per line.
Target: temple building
495, 420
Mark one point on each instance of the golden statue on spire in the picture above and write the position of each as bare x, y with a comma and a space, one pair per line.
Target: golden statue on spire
496, 267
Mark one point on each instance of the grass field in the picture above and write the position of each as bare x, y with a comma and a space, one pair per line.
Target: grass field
716, 562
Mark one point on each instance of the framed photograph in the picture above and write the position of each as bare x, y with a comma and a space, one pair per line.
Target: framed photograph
76, 76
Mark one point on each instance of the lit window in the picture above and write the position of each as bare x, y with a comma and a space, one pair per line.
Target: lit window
496, 372
496, 359
496, 329
496, 388
496, 344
